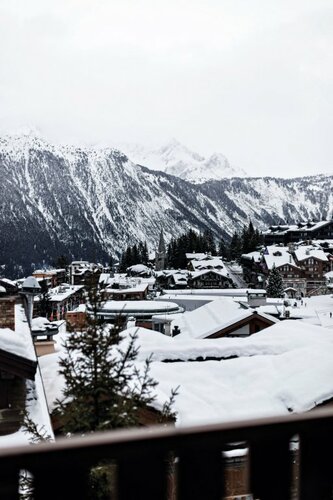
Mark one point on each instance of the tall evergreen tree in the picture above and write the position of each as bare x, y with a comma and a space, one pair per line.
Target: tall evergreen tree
223, 249
45, 305
275, 284
235, 246
103, 388
209, 242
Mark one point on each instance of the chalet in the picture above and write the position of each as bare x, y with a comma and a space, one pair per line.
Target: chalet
179, 280
313, 262
301, 267
81, 271
139, 270
21, 388
172, 278
209, 278
206, 263
285, 233
63, 298
138, 291
219, 318
53, 276
9, 287
15, 370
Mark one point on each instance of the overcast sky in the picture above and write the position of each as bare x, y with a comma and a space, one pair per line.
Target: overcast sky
249, 79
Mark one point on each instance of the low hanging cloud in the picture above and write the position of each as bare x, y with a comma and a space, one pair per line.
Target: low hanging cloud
251, 80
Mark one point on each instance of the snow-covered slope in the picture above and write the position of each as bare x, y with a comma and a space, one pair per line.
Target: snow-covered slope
90, 203
176, 159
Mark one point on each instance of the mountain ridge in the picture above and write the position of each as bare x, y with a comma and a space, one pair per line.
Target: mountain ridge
90, 203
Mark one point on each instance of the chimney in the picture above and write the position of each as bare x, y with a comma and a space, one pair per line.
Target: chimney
175, 331
131, 322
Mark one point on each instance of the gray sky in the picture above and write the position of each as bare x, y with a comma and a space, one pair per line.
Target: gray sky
250, 79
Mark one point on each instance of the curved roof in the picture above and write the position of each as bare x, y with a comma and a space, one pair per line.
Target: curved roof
138, 308
31, 283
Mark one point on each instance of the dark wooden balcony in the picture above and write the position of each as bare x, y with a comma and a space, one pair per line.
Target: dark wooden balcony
184, 463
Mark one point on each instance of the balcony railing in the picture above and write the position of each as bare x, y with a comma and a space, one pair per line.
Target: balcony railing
193, 458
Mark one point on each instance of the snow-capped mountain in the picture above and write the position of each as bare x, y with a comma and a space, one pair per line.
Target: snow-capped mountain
175, 159
91, 203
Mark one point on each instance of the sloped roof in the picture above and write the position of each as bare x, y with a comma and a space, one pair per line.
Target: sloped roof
211, 318
306, 252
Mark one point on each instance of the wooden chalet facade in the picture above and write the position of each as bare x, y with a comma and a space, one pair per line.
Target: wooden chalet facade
209, 279
303, 269
54, 277
244, 327
138, 292
14, 371
284, 233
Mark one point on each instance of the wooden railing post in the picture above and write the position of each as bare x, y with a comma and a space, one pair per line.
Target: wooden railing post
270, 469
316, 465
200, 475
143, 477
9, 481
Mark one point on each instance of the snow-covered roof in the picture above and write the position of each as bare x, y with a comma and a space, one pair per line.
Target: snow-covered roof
136, 307
124, 281
301, 227
8, 281
256, 256
211, 263
209, 318
306, 252
137, 287
218, 292
219, 272
197, 255
278, 256
31, 283
18, 342
180, 278
104, 278
63, 292
285, 368
139, 268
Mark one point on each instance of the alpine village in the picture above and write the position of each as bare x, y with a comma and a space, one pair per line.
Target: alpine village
194, 331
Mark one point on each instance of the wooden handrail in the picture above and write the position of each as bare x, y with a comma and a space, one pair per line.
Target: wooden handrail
198, 448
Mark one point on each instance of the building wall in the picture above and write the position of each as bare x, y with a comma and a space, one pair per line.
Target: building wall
7, 312
76, 319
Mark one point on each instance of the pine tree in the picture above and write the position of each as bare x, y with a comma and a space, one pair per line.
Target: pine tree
209, 242
275, 284
37, 434
223, 249
45, 306
104, 387
235, 246
104, 390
